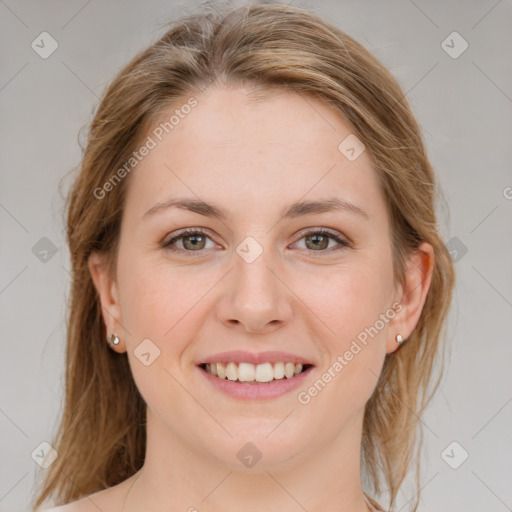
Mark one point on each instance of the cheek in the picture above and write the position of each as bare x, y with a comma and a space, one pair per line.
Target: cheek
347, 299
163, 303
353, 304
350, 305
363, 314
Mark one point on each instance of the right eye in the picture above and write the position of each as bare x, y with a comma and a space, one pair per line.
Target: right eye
192, 240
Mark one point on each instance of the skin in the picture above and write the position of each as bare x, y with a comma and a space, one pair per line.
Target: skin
253, 159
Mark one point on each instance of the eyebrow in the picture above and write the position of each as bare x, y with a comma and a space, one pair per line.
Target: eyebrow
293, 211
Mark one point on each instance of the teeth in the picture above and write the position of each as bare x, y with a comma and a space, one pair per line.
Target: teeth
289, 370
264, 372
231, 371
278, 370
247, 372
221, 371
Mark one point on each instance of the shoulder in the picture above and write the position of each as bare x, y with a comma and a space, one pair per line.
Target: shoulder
70, 507
85, 504
108, 499
81, 505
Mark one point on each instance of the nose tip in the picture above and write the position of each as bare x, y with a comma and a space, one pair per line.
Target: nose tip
253, 298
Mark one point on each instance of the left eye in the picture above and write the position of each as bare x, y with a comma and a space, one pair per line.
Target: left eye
194, 240
320, 240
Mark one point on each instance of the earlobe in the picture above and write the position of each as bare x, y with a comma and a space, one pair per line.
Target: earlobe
412, 296
106, 287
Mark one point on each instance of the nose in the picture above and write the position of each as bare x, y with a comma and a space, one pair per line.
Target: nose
254, 298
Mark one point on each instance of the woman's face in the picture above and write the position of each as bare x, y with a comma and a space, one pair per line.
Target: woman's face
266, 286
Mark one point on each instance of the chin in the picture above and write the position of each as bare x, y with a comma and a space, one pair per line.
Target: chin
258, 446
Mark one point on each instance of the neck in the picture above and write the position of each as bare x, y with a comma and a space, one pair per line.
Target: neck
180, 477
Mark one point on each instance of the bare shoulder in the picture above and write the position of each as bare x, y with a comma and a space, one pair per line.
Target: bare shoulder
108, 499
81, 505
70, 507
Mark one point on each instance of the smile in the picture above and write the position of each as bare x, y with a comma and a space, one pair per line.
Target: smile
255, 382
254, 373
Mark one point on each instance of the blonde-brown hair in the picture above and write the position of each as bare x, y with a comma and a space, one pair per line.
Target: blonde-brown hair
101, 437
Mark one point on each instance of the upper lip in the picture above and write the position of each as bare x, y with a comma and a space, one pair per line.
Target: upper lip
241, 356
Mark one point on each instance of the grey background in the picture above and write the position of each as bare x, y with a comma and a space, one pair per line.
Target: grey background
464, 105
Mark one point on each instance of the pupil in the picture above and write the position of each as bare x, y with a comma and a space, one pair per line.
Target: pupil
194, 239
323, 239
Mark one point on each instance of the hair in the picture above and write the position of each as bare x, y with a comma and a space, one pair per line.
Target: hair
102, 433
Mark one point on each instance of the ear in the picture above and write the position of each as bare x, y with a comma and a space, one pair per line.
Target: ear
411, 294
106, 287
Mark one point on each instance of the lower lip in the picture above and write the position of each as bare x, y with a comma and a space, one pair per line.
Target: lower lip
257, 391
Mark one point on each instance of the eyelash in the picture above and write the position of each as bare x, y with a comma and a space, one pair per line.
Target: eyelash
194, 232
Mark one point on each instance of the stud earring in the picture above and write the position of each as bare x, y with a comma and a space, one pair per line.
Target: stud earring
113, 340
399, 339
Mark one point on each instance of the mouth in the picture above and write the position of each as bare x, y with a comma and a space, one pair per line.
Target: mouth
246, 375
251, 374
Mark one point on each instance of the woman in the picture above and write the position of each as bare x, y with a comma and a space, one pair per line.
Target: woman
259, 285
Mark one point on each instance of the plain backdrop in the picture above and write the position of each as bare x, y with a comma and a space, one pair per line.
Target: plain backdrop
462, 98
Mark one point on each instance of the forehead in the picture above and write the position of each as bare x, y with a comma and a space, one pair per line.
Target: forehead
252, 153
